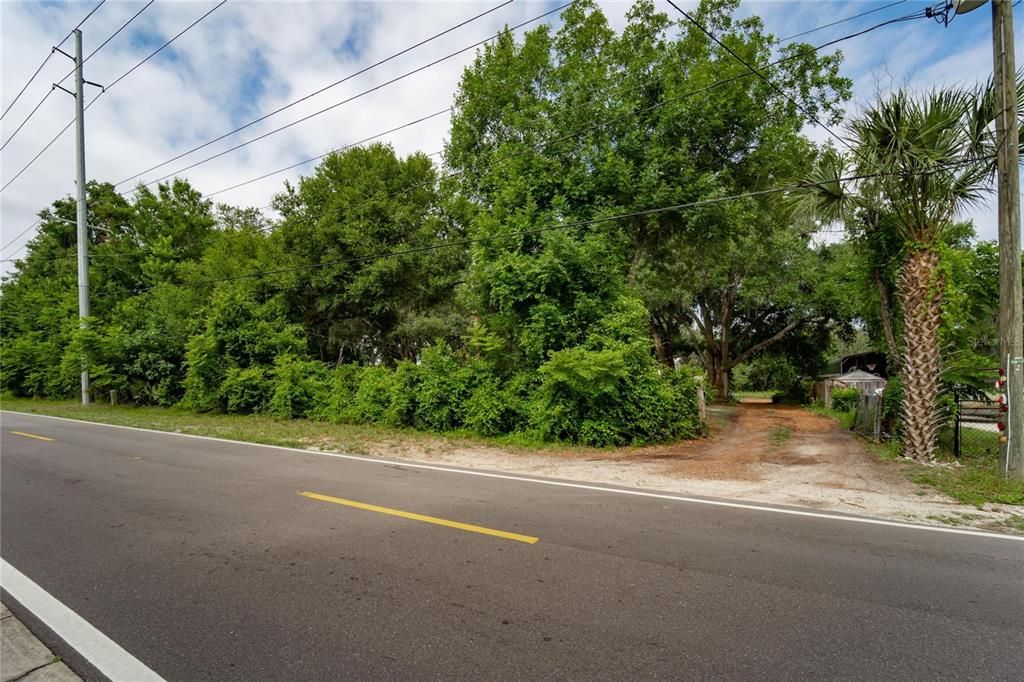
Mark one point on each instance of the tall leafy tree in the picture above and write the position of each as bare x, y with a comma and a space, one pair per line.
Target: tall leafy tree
345, 229
584, 123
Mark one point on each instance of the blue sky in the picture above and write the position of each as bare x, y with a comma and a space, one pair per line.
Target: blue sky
251, 57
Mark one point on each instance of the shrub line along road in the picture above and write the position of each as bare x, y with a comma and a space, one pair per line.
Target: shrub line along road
208, 559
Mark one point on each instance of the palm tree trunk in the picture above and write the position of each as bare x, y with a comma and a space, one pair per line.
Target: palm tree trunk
920, 292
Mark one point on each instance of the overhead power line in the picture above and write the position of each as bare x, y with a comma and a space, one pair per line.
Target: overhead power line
711, 86
18, 236
540, 145
333, 151
572, 225
544, 143
52, 50
841, 21
319, 91
111, 85
760, 75
72, 71
774, 86
357, 96
562, 226
333, 106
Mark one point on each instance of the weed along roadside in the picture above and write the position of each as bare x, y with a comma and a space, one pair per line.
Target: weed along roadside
757, 453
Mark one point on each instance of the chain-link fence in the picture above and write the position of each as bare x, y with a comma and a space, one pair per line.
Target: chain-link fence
968, 428
867, 419
974, 430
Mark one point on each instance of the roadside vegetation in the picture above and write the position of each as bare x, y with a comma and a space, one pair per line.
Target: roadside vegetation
365, 439
843, 417
496, 293
608, 207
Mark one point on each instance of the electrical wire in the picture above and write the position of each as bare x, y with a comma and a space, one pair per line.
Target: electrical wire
72, 71
760, 75
685, 95
52, 50
206, 241
576, 133
567, 226
319, 91
333, 151
840, 21
355, 97
107, 89
18, 236
545, 143
564, 226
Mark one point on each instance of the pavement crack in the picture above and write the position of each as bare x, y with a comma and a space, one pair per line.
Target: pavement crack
29, 672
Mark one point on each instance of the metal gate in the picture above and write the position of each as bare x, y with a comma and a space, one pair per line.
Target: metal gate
976, 428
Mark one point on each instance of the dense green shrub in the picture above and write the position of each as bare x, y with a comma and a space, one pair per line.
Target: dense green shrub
298, 386
765, 373
204, 374
239, 333
372, 401
29, 366
892, 397
246, 389
498, 406
100, 349
444, 386
486, 411
335, 405
685, 417
612, 397
845, 399
405, 395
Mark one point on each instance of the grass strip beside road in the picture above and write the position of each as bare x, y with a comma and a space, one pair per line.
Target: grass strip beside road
294, 433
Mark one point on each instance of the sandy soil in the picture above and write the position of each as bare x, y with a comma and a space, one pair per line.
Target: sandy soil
756, 452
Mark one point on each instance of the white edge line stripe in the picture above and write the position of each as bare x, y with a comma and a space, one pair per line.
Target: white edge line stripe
562, 484
95, 647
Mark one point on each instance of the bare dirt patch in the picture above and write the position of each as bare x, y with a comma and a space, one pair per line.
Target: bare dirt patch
756, 452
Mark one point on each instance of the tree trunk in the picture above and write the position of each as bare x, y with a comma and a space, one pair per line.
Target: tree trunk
920, 292
888, 327
661, 351
722, 384
718, 375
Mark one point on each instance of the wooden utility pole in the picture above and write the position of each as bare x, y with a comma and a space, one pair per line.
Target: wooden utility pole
1011, 297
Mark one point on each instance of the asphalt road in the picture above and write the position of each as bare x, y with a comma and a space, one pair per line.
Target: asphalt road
201, 559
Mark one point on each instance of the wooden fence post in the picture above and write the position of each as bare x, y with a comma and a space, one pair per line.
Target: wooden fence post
701, 403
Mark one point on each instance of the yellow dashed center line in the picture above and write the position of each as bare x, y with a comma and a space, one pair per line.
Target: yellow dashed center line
32, 435
421, 517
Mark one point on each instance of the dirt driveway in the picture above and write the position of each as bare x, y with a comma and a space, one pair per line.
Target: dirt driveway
758, 453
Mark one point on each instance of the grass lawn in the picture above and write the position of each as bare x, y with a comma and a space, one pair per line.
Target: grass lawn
298, 433
845, 419
977, 480
739, 395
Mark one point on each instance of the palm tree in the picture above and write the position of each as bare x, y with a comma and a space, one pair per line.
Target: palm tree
914, 163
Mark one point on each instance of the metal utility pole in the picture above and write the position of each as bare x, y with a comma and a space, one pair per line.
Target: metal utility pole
1011, 297
82, 210
82, 214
